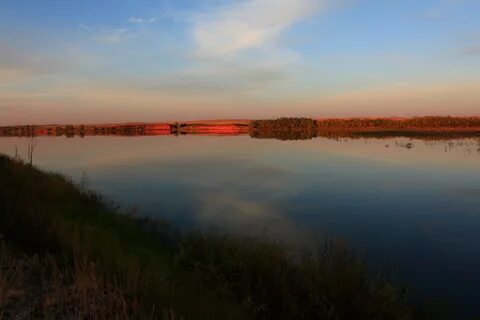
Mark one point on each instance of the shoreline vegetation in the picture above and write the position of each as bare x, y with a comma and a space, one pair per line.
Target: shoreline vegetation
282, 128
65, 252
427, 128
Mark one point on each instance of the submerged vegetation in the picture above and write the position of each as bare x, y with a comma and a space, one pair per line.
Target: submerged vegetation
66, 253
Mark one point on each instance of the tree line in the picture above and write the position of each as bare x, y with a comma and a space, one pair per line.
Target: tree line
285, 124
410, 123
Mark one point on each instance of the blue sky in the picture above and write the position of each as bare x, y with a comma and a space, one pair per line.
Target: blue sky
79, 61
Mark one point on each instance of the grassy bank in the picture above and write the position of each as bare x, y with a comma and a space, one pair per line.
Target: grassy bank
66, 253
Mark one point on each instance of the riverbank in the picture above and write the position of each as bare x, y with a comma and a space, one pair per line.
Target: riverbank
106, 261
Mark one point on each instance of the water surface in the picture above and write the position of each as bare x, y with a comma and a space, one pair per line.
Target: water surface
408, 204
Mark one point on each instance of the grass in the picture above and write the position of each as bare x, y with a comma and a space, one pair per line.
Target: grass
67, 254
46, 286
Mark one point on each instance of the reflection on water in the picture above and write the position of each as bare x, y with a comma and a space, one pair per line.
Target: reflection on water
377, 134
409, 203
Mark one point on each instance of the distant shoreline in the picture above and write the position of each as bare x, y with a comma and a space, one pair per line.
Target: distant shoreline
428, 125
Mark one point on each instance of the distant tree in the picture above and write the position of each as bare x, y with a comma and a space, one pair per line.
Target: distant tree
285, 124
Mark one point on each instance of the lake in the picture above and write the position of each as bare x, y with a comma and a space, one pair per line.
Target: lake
410, 206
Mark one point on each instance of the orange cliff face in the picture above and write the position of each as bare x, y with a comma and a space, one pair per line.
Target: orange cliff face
158, 127
228, 129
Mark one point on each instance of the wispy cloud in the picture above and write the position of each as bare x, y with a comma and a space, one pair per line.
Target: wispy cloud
139, 20
471, 50
411, 99
111, 35
84, 27
237, 48
444, 7
223, 78
114, 35
248, 24
19, 65
10, 76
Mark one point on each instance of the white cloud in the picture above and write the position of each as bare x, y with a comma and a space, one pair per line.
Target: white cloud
107, 34
237, 47
248, 24
142, 20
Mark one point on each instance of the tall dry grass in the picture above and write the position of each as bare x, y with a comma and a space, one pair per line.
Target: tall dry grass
34, 286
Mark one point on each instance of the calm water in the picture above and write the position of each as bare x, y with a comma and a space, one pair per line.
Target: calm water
415, 208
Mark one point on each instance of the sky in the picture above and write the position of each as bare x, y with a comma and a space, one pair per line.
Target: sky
163, 60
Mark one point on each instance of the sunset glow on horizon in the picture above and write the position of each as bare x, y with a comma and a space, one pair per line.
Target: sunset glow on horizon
164, 60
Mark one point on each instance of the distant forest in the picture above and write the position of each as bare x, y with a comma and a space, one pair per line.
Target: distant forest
288, 124
410, 123
284, 129
306, 128
285, 124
